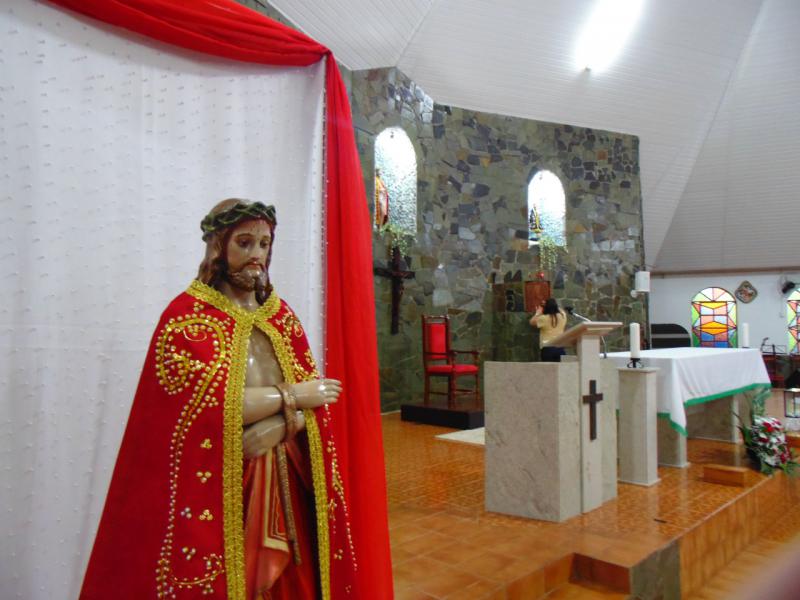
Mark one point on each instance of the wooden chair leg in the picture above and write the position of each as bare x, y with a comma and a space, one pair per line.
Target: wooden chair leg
477, 390
427, 389
451, 391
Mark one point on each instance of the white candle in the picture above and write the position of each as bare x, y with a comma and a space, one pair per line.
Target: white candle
635, 342
744, 335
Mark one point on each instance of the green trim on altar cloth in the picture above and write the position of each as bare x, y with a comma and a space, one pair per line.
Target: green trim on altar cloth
764, 390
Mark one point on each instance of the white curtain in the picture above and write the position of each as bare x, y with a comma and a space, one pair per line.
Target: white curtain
112, 149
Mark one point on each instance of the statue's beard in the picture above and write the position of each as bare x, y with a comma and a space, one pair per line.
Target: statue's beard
248, 279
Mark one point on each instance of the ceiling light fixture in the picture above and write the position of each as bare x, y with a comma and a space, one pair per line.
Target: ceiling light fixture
606, 32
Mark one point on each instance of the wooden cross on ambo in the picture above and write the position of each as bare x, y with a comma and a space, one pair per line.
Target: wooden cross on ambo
592, 398
397, 275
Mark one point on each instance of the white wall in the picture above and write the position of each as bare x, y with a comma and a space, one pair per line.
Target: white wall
671, 296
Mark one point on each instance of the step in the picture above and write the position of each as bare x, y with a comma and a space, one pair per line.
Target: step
584, 591
573, 576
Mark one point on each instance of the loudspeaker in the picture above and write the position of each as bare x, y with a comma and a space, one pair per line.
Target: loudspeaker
793, 381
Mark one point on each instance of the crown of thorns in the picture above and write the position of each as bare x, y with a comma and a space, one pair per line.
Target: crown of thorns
238, 212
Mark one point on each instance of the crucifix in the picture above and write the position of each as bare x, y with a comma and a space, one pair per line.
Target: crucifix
397, 275
592, 398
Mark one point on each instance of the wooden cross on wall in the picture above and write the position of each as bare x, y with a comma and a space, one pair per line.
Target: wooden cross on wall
398, 276
592, 398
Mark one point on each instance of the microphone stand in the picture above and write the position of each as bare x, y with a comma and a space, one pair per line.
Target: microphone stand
586, 320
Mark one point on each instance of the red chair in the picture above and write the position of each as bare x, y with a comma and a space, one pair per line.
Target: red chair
439, 360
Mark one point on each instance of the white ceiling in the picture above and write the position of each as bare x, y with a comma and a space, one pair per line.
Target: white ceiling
711, 87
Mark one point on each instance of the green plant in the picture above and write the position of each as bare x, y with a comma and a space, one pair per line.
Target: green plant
396, 237
548, 254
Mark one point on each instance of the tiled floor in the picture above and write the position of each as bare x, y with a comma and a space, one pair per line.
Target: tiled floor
445, 545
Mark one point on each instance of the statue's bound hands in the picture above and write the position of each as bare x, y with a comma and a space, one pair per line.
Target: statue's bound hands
267, 433
318, 392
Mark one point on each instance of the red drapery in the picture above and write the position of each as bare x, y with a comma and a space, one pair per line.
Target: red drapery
226, 29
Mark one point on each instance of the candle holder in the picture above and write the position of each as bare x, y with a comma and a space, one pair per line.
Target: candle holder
635, 363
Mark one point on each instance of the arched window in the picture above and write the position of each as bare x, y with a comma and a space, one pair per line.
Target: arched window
793, 318
546, 209
714, 318
395, 180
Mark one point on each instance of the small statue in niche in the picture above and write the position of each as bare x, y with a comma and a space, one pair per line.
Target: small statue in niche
534, 225
381, 201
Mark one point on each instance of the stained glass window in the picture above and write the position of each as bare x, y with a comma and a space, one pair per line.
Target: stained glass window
793, 318
546, 208
714, 319
395, 180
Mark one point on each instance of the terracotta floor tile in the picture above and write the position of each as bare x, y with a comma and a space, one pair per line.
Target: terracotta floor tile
406, 533
444, 581
497, 567
448, 524
457, 552
425, 544
539, 548
480, 590
527, 587
410, 593
411, 571
399, 554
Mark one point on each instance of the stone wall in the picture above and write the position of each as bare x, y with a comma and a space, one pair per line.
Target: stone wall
473, 171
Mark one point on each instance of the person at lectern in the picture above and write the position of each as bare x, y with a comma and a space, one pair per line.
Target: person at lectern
551, 322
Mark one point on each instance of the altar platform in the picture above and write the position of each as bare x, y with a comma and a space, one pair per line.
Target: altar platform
668, 539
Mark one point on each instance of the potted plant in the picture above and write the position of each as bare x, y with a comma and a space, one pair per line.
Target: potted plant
397, 238
548, 255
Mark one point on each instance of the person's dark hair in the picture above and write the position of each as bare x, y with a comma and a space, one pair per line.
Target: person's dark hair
551, 308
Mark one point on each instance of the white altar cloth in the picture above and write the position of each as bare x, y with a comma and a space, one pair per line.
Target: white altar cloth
695, 375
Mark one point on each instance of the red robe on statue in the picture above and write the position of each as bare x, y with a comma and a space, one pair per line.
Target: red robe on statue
185, 516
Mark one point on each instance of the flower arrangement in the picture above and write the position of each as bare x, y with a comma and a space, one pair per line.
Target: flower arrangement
765, 441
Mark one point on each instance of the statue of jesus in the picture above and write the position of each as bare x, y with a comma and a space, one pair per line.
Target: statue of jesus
227, 482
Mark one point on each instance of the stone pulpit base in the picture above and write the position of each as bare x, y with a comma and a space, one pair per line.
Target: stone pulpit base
535, 466
533, 450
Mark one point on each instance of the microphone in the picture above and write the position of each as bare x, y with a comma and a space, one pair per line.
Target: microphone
569, 309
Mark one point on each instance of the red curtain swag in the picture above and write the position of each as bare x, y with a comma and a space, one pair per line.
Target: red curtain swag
229, 30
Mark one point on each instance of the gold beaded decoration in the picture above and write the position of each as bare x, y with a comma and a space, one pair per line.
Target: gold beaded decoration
178, 371
294, 370
338, 488
232, 468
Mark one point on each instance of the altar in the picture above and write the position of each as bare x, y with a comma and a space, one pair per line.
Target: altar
705, 384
